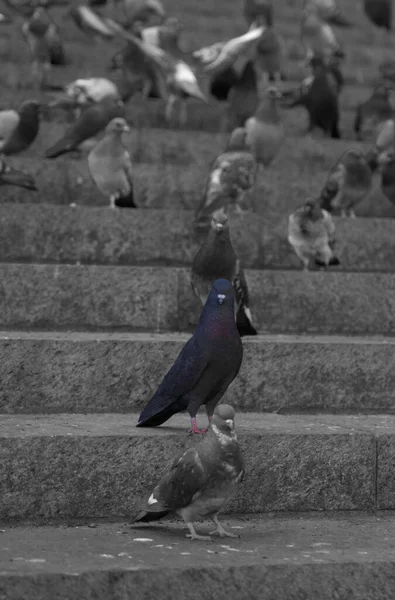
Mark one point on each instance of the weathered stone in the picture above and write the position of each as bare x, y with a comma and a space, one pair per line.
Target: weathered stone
91, 466
96, 372
278, 556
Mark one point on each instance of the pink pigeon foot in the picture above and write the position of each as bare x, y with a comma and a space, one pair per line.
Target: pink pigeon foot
195, 428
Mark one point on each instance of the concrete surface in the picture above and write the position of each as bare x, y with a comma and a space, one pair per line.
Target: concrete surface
159, 299
46, 233
310, 556
100, 466
47, 372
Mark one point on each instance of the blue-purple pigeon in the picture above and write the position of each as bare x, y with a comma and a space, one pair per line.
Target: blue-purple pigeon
205, 367
202, 479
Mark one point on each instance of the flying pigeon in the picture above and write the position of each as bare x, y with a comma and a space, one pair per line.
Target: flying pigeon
174, 78
232, 175
371, 113
222, 83
243, 97
220, 55
90, 23
216, 259
110, 166
384, 143
91, 122
348, 182
258, 11
379, 12
19, 129
205, 367
265, 130
11, 176
387, 171
202, 479
329, 12
319, 96
311, 233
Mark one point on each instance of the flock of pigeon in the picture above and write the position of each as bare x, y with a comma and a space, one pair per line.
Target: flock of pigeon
152, 63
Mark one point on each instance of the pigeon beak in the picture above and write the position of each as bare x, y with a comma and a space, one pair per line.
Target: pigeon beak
126, 128
230, 423
221, 298
18, 178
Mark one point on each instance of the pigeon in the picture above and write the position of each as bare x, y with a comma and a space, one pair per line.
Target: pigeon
11, 176
269, 56
205, 367
243, 97
348, 182
165, 36
220, 55
387, 171
175, 80
329, 12
311, 233
379, 12
222, 83
19, 129
319, 96
91, 122
94, 89
371, 113
110, 166
202, 479
384, 143
216, 259
90, 23
258, 11
265, 130
317, 36
232, 176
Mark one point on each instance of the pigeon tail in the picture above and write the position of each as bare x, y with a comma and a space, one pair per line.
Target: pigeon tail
126, 201
244, 325
151, 512
333, 261
158, 411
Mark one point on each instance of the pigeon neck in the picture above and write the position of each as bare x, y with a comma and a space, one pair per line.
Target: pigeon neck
218, 318
267, 111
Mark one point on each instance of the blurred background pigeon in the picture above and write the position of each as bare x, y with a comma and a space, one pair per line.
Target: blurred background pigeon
110, 166
19, 129
205, 367
202, 479
373, 112
216, 259
311, 233
387, 172
11, 176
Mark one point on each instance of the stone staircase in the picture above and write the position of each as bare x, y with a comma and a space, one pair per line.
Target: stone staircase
96, 304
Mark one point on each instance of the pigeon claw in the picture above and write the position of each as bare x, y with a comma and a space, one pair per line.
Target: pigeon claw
195, 429
196, 536
223, 533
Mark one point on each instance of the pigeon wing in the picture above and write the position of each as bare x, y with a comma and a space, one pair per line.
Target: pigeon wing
9, 120
180, 379
329, 228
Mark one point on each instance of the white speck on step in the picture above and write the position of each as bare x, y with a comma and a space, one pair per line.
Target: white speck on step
321, 544
230, 548
142, 540
185, 553
107, 555
237, 527
290, 545
36, 560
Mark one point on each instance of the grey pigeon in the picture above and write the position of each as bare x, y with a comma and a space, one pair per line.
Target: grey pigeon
265, 130
11, 176
202, 479
205, 367
231, 177
385, 141
379, 12
311, 233
216, 259
110, 166
374, 111
19, 129
387, 171
348, 182
91, 122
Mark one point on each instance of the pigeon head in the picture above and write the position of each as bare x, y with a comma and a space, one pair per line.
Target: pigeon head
372, 158
387, 159
353, 156
117, 126
173, 25
273, 92
224, 417
311, 208
219, 221
221, 293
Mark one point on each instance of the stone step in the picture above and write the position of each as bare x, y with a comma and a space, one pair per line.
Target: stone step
316, 555
158, 299
60, 234
182, 187
52, 372
100, 466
